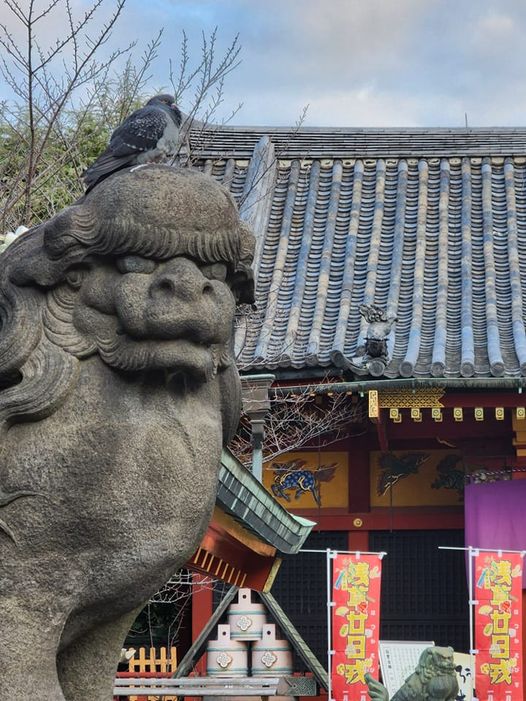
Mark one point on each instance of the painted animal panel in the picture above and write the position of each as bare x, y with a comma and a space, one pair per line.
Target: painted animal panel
450, 475
397, 467
293, 478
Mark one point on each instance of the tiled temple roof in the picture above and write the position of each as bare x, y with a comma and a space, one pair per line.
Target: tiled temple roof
428, 224
239, 142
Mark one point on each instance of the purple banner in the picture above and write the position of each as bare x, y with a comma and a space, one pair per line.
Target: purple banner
495, 516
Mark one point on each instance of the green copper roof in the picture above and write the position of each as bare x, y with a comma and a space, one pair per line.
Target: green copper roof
241, 495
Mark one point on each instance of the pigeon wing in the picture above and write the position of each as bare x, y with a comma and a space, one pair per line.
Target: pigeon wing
140, 132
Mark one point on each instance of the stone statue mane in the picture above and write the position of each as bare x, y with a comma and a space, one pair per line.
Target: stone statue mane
118, 389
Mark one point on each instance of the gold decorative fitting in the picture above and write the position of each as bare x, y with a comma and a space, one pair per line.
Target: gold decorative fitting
479, 413
416, 414
426, 398
520, 413
357, 523
499, 413
458, 413
374, 407
436, 414
395, 415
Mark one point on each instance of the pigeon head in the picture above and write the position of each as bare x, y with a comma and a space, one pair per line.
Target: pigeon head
167, 101
162, 99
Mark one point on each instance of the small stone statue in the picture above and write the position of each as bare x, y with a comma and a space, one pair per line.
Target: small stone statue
379, 328
118, 390
434, 679
371, 358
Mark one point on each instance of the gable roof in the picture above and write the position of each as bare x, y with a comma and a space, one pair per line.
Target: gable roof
249, 532
429, 224
288, 629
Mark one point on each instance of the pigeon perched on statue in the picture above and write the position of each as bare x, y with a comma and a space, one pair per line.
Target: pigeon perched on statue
147, 135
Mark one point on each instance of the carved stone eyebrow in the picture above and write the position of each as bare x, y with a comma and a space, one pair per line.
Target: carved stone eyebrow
135, 264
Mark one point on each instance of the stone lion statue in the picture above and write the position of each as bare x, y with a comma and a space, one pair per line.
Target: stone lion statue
434, 679
118, 390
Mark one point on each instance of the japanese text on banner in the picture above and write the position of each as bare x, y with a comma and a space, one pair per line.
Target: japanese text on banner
355, 624
498, 623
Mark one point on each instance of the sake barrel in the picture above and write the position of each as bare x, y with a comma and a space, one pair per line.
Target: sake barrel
246, 618
226, 657
271, 657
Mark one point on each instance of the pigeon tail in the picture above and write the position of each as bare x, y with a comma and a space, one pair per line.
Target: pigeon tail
105, 165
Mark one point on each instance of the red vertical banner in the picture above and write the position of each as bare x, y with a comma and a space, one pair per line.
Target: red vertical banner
498, 626
355, 624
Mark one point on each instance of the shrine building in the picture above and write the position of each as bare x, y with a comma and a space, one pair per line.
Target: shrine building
390, 283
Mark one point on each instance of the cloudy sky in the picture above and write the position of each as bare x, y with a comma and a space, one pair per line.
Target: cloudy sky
363, 62
369, 63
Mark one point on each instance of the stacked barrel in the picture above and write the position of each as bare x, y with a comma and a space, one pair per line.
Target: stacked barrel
247, 644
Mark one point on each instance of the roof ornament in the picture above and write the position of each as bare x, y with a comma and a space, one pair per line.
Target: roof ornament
373, 356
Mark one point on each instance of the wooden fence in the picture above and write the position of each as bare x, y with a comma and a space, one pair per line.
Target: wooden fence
153, 661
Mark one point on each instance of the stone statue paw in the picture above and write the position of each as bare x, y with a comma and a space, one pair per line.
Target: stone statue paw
377, 692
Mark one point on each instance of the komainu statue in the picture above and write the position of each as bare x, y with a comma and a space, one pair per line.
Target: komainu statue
118, 391
434, 679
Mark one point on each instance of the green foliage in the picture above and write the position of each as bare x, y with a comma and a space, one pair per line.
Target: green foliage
69, 91
72, 144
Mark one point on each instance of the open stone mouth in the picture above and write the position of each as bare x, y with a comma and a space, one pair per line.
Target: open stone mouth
194, 356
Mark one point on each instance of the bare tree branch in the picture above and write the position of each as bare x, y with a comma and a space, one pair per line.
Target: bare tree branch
299, 420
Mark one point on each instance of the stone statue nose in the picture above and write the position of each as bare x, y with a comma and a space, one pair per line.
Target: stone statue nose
185, 286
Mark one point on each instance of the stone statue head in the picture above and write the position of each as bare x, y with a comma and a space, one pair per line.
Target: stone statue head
436, 669
145, 272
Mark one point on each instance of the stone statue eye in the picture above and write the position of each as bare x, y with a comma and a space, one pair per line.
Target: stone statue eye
135, 264
75, 276
215, 271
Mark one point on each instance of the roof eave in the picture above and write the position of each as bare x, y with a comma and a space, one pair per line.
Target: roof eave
244, 497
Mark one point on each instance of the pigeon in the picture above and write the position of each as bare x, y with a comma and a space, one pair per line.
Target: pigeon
147, 135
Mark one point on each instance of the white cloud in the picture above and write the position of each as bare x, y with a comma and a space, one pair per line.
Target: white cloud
494, 26
357, 62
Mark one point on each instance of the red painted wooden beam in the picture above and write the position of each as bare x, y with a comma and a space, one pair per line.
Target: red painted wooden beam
387, 519
202, 609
